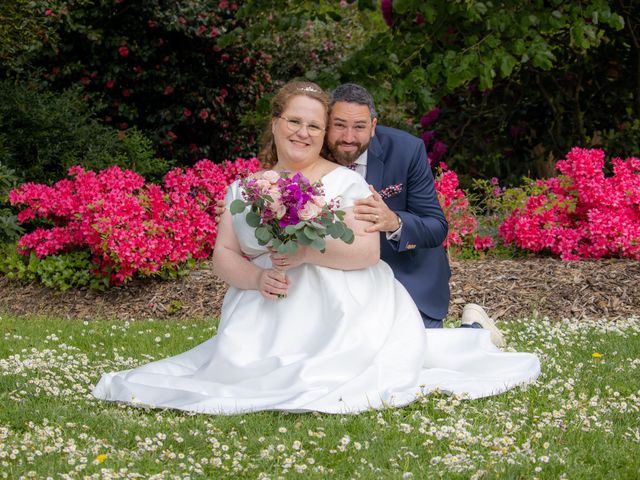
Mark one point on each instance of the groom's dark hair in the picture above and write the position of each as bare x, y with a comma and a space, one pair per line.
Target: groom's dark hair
352, 93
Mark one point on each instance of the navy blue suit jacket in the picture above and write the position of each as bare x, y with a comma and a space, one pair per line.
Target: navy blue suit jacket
418, 259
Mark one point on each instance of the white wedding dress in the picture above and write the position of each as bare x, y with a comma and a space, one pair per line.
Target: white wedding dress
340, 342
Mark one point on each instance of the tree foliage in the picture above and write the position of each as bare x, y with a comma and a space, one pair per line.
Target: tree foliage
156, 65
22, 32
303, 39
433, 48
518, 82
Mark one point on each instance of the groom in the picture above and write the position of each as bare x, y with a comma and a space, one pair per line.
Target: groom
404, 205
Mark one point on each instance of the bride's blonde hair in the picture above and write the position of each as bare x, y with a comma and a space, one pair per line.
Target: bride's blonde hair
268, 155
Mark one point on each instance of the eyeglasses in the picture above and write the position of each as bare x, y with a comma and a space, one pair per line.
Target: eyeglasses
294, 125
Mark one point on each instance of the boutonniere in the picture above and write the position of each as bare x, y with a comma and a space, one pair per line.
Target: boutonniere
390, 191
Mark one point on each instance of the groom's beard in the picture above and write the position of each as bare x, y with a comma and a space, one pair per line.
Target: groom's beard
347, 158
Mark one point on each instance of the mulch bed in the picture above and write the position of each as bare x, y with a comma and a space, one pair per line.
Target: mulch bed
508, 289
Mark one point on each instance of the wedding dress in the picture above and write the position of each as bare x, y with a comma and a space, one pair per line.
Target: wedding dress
340, 342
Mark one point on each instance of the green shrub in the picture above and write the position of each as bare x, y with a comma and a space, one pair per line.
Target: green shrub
60, 272
10, 229
492, 204
45, 133
621, 141
134, 152
69, 270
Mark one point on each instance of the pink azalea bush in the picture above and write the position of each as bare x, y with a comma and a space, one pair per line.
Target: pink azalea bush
129, 226
463, 224
582, 213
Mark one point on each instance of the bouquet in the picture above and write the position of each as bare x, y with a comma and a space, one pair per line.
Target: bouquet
288, 212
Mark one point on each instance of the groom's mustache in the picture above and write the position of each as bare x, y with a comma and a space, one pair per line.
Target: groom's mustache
355, 144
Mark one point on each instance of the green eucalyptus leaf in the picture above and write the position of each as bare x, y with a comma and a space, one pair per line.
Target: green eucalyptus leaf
288, 247
336, 229
318, 244
253, 219
303, 239
263, 234
348, 236
311, 233
237, 206
291, 229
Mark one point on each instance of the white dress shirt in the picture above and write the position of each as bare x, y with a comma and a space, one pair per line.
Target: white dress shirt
361, 168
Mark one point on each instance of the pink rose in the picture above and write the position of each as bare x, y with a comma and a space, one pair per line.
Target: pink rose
278, 209
264, 185
271, 176
274, 193
319, 200
310, 211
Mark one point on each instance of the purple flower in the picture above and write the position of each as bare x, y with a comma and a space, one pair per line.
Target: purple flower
427, 137
387, 11
439, 148
430, 117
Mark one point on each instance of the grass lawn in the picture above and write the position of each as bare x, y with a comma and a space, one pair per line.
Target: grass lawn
580, 420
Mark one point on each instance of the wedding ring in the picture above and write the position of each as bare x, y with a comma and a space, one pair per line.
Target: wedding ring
377, 217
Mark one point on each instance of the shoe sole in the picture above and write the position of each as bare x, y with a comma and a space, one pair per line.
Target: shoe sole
487, 323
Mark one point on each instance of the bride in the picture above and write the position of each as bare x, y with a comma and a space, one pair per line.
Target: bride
346, 338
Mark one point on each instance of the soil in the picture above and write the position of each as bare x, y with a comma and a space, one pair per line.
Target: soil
508, 289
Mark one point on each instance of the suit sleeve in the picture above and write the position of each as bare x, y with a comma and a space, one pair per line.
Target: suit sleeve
423, 222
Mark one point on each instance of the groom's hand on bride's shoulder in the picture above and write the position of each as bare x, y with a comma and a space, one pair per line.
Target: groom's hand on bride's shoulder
373, 209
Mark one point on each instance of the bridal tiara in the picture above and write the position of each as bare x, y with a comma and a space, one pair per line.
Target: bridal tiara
308, 89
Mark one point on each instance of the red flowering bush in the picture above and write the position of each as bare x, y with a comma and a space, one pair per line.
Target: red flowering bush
582, 213
463, 224
163, 66
129, 226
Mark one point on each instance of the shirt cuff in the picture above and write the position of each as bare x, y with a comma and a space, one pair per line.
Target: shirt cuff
394, 236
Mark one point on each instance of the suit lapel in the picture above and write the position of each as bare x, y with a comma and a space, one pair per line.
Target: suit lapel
375, 165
